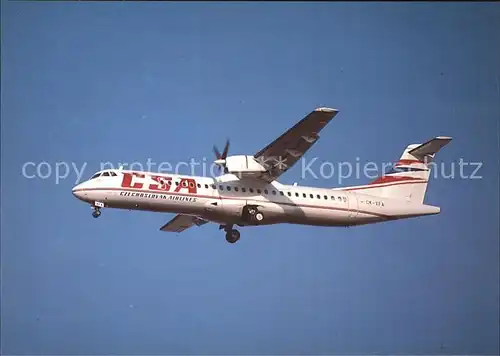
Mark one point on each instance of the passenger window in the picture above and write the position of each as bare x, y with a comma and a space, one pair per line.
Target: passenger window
281, 193
221, 187
228, 188
251, 190
176, 183
259, 191
265, 191
318, 196
235, 189
296, 194
326, 198
213, 186
206, 186
243, 189
274, 192
311, 196
333, 198
289, 194
345, 199
199, 185
304, 195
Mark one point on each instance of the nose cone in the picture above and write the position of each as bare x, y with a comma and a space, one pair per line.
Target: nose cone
79, 192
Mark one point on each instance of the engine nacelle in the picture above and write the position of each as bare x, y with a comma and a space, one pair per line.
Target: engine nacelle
244, 166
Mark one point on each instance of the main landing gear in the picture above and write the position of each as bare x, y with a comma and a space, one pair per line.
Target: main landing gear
232, 235
251, 215
254, 215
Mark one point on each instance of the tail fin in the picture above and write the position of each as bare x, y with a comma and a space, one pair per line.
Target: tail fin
408, 178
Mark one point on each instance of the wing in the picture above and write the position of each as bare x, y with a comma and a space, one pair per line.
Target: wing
182, 222
281, 154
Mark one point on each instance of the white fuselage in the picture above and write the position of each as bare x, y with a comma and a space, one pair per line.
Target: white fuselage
223, 199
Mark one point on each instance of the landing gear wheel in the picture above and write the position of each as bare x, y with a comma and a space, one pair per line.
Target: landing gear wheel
259, 216
232, 236
96, 213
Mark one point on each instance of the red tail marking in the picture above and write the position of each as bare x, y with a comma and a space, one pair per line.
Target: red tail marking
390, 179
408, 161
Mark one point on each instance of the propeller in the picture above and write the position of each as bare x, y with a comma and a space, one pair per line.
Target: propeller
221, 158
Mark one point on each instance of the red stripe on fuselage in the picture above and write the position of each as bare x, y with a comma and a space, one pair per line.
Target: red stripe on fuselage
231, 198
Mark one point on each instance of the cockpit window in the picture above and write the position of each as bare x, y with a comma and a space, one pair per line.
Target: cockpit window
104, 174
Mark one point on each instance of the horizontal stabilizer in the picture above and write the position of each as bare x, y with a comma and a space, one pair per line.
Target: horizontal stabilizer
430, 148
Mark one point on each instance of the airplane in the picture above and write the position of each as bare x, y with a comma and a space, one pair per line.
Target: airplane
247, 192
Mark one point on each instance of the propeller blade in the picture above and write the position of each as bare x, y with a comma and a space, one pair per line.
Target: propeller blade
217, 153
221, 158
226, 150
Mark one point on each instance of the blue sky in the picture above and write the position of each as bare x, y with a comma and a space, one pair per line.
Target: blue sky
123, 82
